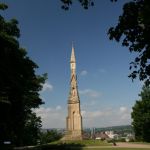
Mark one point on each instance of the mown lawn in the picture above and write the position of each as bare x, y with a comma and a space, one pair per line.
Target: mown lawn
115, 148
85, 143
72, 147
81, 145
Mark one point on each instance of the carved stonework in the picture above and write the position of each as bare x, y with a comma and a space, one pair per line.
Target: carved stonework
74, 118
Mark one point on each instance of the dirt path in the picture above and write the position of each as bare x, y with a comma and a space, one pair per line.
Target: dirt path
132, 145
122, 145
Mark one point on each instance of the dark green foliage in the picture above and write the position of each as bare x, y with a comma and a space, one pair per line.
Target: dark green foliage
61, 146
19, 85
49, 136
31, 132
3, 6
133, 30
141, 116
84, 3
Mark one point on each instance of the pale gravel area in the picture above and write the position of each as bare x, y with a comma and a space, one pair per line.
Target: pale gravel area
123, 145
132, 145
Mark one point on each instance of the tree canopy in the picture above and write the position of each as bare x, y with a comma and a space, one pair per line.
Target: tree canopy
141, 115
84, 3
133, 30
50, 136
19, 85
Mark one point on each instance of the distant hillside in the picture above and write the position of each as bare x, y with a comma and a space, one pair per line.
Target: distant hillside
117, 129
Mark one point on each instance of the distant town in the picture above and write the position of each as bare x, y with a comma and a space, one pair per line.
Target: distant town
123, 133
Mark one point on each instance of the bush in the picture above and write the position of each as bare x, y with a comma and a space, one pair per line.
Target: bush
49, 136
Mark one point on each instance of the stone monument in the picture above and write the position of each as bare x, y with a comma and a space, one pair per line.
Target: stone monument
74, 118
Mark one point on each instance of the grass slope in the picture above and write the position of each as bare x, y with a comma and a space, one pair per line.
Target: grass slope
82, 145
115, 148
85, 143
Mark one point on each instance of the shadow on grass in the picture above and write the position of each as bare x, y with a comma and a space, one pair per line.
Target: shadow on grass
65, 145
61, 146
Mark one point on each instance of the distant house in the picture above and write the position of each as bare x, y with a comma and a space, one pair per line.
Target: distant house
129, 137
86, 136
101, 136
111, 135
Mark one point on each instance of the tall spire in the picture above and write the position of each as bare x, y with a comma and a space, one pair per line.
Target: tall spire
74, 118
73, 59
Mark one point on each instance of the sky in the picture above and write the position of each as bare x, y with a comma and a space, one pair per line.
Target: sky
107, 95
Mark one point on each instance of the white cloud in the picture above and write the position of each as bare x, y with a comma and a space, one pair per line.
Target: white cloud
106, 117
52, 117
125, 112
123, 109
90, 93
83, 73
47, 87
42, 112
58, 107
56, 117
94, 114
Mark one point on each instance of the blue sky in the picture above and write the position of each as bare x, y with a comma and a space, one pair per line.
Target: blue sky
106, 93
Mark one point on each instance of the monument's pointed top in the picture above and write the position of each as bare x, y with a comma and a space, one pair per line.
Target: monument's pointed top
73, 59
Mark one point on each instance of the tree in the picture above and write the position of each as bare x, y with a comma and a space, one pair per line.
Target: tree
141, 115
19, 85
32, 129
133, 30
49, 136
84, 3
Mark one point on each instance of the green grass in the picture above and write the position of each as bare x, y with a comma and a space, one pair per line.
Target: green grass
115, 148
85, 143
82, 145
71, 147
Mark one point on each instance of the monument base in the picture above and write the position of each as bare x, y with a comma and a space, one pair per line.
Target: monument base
74, 135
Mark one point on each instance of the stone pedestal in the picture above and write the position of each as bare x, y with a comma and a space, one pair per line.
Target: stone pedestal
72, 136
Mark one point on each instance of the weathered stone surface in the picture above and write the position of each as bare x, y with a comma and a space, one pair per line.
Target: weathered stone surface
74, 118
